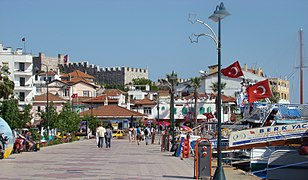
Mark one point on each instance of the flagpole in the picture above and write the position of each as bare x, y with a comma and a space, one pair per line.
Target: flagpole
24, 41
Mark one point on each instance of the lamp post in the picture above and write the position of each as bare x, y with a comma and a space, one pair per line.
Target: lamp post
172, 78
158, 111
47, 106
219, 13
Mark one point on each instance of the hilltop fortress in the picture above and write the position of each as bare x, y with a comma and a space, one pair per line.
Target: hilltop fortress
108, 75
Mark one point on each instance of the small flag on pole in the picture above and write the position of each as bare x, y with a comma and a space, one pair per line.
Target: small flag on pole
65, 59
233, 71
75, 95
258, 91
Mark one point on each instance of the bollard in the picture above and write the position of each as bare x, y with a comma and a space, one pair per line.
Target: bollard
162, 143
203, 159
186, 148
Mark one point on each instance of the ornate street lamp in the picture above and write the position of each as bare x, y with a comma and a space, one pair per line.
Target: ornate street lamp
219, 13
47, 100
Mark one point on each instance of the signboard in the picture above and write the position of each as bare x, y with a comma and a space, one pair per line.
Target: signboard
267, 134
83, 129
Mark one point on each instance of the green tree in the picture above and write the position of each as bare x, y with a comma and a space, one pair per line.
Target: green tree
6, 85
214, 86
171, 81
92, 121
144, 81
52, 117
195, 83
25, 116
69, 120
10, 113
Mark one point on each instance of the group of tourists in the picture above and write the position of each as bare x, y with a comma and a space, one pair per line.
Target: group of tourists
103, 134
139, 134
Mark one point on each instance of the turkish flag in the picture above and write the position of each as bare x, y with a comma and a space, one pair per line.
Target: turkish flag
258, 91
65, 58
233, 71
74, 95
208, 115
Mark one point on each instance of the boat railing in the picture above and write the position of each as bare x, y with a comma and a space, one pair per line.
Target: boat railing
280, 167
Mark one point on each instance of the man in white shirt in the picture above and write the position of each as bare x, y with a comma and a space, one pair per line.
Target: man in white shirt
101, 135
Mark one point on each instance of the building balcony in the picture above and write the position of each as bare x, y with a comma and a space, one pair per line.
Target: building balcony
22, 73
23, 88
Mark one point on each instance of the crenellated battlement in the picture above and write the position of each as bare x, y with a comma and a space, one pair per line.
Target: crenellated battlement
108, 75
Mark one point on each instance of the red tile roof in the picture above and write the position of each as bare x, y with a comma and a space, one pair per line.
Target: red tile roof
78, 74
114, 92
200, 95
51, 97
100, 99
144, 101
78, 80
50, 73
109, 111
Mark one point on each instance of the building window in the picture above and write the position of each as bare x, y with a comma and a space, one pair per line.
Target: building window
86, 93
21, 66
201, 110
147, 110
21, 96
66, 92
22, 81
38, 90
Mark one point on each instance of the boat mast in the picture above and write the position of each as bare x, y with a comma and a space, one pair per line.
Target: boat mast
301, 66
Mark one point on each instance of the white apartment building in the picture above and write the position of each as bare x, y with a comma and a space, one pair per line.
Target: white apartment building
21, 68
233, 85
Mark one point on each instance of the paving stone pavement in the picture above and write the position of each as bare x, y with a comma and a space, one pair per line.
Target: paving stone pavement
83, 160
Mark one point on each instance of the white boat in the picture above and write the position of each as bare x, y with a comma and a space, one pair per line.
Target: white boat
259, 157
287, 164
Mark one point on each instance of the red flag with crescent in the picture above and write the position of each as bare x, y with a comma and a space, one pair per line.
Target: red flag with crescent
258, 91
74, 95
233, 71
65, 59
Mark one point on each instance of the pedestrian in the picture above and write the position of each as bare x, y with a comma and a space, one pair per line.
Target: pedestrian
142, 134
108, 137
153, 132
133, 135
147, 135
130, 135
138, 131
101, 134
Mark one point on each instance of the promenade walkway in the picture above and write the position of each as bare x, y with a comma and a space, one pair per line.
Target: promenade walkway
83, 160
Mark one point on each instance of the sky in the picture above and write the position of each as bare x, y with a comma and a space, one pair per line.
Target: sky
154, 34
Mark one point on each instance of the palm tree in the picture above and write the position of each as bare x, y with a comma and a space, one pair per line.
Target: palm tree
214, 86
195, 83
171, 81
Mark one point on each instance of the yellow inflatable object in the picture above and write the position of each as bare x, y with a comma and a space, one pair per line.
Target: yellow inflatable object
6, 130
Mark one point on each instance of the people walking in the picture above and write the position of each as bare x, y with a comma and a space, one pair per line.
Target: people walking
138, 130
147, 135
108, 137
130, 135
101, 134
133, 134
153, 132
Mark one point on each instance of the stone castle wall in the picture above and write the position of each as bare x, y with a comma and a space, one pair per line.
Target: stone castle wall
113, 75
